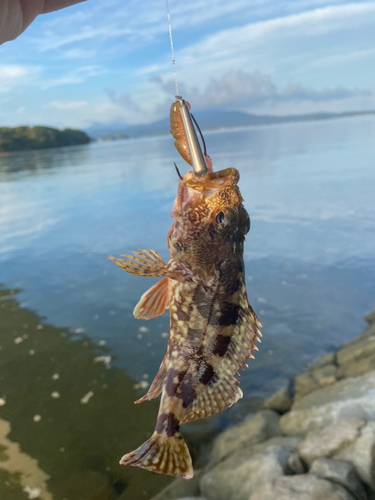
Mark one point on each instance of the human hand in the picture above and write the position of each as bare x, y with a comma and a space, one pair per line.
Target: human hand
16, 15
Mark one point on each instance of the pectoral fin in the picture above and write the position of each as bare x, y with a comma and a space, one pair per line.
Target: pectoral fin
153, 302
144, 263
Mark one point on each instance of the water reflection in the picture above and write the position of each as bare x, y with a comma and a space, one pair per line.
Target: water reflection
66, 418
37, 162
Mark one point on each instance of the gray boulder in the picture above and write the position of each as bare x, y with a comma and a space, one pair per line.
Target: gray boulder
238, 476
357, 367
301, 487
295, 464
318, 375
361, 453
328, 441
191, 498
329, 358
340, 472
352, 397
358, 356
358, 348
280, 401
370, 317
262, 426
304, 384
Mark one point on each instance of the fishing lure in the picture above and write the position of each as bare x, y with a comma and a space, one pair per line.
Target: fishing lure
213, 328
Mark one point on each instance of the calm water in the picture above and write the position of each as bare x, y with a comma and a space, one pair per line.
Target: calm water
310, 264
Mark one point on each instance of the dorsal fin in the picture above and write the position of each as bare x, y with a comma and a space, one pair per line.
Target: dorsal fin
222, 390
153, 302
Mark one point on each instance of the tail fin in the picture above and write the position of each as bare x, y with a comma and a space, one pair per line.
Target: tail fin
163, 455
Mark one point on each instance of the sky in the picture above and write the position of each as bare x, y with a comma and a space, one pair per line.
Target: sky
109, 61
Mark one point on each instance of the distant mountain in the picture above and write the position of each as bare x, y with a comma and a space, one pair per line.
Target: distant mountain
209, 120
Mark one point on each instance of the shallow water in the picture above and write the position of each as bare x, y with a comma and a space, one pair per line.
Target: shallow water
310, 265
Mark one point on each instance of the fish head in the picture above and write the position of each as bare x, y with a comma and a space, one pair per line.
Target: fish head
210, 222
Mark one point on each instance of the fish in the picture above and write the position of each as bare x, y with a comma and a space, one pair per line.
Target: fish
213, 328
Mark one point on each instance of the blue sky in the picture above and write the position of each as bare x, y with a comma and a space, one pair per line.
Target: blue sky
110, 60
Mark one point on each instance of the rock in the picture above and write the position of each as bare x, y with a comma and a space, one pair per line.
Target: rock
351, 397
304, 384
340, 472
357, 367
362, 454
242, 472
370, 317
181, 488
329, 358
301, 487
329, 440
315, 378
191, 498
280, 401
295, 463
262, 426
356, 349
358, 356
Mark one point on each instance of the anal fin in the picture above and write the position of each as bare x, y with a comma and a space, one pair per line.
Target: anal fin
157, 384
154, 302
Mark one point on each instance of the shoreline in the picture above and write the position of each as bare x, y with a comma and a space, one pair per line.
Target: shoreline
314, 439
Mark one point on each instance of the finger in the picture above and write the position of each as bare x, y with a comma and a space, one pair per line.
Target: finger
51, 5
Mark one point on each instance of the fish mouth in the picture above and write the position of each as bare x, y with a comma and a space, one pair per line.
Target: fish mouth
191, 189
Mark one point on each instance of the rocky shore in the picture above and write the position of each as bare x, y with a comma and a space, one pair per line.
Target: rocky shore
314, 440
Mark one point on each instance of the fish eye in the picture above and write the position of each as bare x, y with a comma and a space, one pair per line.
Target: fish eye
225, 219
220, 218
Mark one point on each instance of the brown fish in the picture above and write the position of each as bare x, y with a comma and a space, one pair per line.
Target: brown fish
212, 326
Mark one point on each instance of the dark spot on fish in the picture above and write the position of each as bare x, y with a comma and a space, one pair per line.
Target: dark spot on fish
207, 375
230, 270
182, 315
167, 424
202, 302
232, 285
183, 388
228, 314
194, 335
170, 385
187, 391
221, 345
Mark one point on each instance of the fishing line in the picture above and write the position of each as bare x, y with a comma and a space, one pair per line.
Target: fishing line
170, 38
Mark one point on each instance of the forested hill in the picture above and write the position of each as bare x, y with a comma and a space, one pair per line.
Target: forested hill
22, 138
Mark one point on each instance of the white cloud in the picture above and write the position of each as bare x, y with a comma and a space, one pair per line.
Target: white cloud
78, 54
66, 105
12, 75
237, 89
79, 75
137, 27
267, 43
340, 59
